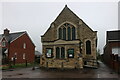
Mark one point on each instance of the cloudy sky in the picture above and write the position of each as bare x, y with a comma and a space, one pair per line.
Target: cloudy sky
36, 17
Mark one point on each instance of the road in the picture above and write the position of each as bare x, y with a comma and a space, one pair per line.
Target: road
102, 72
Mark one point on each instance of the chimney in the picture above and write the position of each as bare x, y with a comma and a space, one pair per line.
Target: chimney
6, 32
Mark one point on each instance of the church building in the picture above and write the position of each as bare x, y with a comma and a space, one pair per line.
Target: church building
68, 43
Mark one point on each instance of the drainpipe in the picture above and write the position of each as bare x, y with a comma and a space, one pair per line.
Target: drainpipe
9, 61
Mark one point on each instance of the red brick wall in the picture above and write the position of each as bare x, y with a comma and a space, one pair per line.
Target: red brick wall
17, 47
108, 57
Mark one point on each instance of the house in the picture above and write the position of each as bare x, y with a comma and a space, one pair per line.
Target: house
17, 47
68, 43
37, 56
112, 49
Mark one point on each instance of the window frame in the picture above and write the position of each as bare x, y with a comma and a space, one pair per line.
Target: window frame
24, 45
62, 56
60, 33
64, 33
51, 52
24, 56
70, 53
15, 55
58, 55
69, 33
88, 50
73, 33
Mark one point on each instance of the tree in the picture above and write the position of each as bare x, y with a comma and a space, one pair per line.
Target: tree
98, 54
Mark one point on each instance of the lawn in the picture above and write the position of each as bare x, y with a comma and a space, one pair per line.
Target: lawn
23, 65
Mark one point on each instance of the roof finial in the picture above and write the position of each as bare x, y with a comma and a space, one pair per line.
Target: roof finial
66, 5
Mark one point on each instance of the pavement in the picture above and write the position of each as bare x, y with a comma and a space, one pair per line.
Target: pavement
102, 72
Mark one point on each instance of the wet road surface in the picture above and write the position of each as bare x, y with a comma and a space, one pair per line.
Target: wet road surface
102, 72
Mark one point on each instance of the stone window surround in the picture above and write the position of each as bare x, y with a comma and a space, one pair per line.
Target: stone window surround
85, 46
60, 48
51, 52
62, 26
68, 53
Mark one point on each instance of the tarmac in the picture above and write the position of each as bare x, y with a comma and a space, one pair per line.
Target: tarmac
101, 72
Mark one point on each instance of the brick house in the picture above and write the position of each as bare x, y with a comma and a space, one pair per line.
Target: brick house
17, 47
68, 43
112, 49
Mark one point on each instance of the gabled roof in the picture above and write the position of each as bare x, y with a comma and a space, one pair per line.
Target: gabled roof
65, 12
12, 36
113, 35
37, 53
68, 14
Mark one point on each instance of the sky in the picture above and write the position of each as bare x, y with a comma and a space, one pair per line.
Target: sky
36, 17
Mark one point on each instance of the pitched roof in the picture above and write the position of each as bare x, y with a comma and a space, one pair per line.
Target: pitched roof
113, 35
65, 12
12, 36
37, 53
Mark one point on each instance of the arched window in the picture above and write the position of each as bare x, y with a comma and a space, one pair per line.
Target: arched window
64, 33
58, 52
60, 33
69, 33
73, 33
62, 52
88, 47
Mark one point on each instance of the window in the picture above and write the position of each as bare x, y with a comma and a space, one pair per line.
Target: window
60, 33
23, 55
58, 52
11, 58
15, 55
88, 47
116, 50
70, 53
24, 45
69, 33
49, 53
62, 52
64, 33
73, 33
3, 43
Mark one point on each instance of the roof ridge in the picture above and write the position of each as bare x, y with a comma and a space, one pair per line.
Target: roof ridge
17, 32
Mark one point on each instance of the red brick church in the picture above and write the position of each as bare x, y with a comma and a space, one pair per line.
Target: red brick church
17, 47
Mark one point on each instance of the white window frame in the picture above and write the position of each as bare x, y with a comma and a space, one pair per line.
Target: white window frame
11, 58
24, 45
24, 55
15, 55
115, 50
